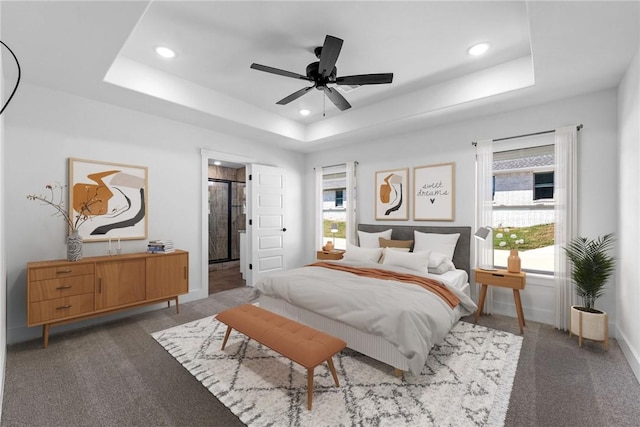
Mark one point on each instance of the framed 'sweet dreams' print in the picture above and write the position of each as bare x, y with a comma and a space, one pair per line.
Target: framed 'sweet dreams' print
434, 192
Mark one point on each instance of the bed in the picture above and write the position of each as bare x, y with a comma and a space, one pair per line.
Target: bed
339, 303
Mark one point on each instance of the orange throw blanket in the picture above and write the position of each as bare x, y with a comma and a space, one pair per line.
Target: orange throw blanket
431, 285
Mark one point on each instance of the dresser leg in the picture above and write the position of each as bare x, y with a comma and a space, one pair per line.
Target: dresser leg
45, 335
177, 306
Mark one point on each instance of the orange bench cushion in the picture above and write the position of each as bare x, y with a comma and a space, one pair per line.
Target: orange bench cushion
302, 344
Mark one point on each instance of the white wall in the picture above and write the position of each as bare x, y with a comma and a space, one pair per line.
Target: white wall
452, 143
3, 256
43, 128
628, 289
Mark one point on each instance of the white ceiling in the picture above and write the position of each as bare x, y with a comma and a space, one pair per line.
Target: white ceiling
105, 51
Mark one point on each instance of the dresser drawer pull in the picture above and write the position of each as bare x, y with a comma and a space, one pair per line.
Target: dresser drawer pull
100, 285
185, 272
497, 275
63, 271
59, 288
63, 307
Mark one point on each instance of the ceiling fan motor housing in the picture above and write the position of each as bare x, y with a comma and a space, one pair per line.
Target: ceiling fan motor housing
313, 73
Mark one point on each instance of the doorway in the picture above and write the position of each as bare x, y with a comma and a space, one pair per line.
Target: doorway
226, 222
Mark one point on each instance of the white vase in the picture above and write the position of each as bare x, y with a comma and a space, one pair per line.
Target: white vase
74, 246
592, 326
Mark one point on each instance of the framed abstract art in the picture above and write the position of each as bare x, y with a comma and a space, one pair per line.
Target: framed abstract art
113, 196
434, 192
392, 190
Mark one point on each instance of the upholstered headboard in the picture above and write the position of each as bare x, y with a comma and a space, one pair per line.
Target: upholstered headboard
462, 253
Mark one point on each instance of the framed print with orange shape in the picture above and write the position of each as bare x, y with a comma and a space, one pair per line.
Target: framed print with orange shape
112, 197
392, 190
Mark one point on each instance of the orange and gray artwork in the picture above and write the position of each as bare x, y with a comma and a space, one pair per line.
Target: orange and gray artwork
391, 193
94, 200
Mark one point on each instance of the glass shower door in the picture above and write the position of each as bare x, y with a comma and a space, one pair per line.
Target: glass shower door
226, 218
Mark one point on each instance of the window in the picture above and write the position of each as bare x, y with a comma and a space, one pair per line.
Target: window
543, 186
523, 181
336, 185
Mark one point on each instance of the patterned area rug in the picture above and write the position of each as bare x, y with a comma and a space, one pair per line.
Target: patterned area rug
466, 381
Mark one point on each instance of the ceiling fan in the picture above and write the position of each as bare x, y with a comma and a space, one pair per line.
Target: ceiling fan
324, 72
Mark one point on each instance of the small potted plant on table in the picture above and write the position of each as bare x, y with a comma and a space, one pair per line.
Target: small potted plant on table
592, 267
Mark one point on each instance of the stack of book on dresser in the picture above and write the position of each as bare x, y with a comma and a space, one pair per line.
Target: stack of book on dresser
160, 246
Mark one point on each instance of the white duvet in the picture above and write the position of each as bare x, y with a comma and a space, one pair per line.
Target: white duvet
408, 316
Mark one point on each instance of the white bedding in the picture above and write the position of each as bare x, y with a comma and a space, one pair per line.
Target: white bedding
406, 315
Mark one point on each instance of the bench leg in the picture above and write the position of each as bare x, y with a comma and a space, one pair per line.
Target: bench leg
226, 337
309, 387
332, 368
333, 371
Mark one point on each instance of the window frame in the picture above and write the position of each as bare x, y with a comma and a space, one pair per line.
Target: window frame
524, 143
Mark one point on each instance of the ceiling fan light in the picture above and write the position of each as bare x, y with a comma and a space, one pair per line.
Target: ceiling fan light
165, 52
478, 49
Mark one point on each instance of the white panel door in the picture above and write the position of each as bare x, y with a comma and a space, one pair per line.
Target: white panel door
266, 221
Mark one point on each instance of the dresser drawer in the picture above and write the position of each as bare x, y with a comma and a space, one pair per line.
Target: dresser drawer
59, 308
66, 270
57, 288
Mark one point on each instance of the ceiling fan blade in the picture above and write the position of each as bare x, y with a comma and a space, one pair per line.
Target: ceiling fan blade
329, 55
337, 99
279, 72
295, 95
365, 79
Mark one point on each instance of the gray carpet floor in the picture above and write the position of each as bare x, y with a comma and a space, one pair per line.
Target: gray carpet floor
116, 374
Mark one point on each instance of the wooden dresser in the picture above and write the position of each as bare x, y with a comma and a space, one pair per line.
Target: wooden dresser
63, 291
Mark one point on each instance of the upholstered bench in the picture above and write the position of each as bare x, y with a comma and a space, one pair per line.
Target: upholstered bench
299, 343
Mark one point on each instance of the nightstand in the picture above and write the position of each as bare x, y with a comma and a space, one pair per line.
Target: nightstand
334, 255
503, 279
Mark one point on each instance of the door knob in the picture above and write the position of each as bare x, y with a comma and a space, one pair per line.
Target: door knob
284, 229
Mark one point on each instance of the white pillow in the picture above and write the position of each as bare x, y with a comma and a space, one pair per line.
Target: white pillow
441, 243
391, 248
355, 253
370, 240
437, 258
418, 261
442, 268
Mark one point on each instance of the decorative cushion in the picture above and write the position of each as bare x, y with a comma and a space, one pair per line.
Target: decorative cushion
370, 240
358, 254
386, 243
441, 243
417, 261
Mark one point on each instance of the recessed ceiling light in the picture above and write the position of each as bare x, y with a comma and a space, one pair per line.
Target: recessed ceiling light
165, 52
478, 49
217, 163
304, 112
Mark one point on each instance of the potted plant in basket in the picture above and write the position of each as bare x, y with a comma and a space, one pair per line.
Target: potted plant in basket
592, 267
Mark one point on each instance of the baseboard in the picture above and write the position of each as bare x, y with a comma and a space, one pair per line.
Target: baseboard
23, 333
632, 357
532, 314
